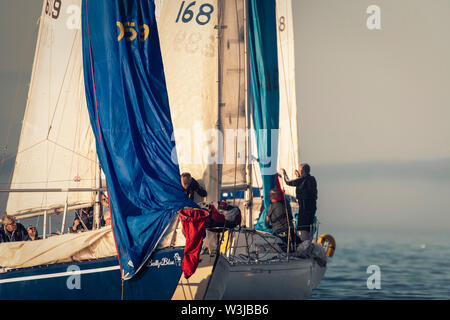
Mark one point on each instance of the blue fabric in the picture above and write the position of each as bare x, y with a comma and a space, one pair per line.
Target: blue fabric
130, 117
265, 92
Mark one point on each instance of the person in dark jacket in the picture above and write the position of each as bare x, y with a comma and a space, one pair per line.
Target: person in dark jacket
12, 230
191, 186
33, 233
279, 218
83, 221
306, 194
2, 234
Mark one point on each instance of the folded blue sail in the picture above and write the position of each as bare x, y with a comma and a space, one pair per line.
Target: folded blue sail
265, 93
130, 117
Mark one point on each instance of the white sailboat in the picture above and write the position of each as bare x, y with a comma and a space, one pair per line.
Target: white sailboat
207, 72
206, 86
259, 269
57, 171
204, 46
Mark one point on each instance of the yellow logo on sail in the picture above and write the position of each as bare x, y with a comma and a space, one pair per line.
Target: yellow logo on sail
129, 28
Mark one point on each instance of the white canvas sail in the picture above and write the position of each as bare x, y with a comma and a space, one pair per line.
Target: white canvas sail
288, 148
57, 147
189, 46
203, 50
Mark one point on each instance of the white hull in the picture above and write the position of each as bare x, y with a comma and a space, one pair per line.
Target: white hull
259, 270
284, 280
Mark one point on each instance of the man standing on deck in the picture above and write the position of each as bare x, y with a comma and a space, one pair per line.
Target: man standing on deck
306, 194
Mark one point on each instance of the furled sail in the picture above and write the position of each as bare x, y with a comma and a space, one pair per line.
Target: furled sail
57, 147
288, 147
130, 116
265, 92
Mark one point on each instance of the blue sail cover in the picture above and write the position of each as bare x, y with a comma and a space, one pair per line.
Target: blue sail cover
130, 117
265, 92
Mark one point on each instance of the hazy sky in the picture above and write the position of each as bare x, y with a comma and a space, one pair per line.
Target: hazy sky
373, 95
374, 106
375, 110
18, 34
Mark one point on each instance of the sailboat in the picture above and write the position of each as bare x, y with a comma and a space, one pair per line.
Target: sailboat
74, 124
231, 85
121, 94
258, 266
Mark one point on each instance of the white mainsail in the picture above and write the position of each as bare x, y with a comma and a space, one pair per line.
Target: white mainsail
57, 147
204, 63
288, 145
189, 51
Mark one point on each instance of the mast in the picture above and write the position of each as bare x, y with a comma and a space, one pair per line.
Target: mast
98, 207
232, 102
219, 128
248, 191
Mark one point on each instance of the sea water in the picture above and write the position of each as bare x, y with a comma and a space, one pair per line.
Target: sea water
387, 266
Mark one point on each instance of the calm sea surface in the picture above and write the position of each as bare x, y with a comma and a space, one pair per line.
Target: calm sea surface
412, 266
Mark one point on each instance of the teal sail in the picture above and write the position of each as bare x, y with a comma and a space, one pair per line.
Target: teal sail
264, 92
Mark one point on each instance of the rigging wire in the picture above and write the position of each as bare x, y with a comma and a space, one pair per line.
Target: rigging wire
62, 84
66, 78
238, 104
